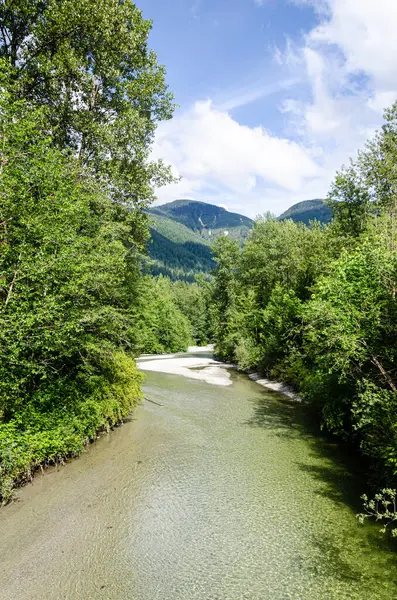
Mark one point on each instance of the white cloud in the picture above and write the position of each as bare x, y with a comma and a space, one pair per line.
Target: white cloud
218, 157
365, 31
358, 39
381, 100
351, 71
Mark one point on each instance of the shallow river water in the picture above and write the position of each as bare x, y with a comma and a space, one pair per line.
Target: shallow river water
221, 493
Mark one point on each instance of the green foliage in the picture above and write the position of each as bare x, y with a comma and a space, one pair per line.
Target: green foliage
178, 260
257, 294
316, 306
281, 330
369, 185
64, 365
160, 325
351, 202
326, 326
349, 334
382, 508
192, 300
80, 98
39, 435
223, 310
87, 65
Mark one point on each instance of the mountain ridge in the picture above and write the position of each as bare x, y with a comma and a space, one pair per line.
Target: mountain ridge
181, 235
202, 216
182, 232
308, 210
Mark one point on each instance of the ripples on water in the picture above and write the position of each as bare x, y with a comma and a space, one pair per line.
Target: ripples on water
222, 493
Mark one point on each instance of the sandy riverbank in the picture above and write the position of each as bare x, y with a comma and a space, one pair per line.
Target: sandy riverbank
194, 367
276, 386
206, 369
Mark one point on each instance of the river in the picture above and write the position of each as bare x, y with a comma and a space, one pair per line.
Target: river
216, 492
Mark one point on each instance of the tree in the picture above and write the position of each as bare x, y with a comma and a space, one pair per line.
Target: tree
223, 311
368, 186
349, 341
159, 324
193, 300
80, 98
65, 364
86, 63
316, 306
258, 292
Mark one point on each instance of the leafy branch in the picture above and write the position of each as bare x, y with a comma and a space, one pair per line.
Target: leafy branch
383, 507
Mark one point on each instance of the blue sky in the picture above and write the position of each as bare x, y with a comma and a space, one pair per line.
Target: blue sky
274, 95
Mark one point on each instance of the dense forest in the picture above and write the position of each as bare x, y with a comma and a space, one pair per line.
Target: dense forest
176, 251
182, 233
316, 306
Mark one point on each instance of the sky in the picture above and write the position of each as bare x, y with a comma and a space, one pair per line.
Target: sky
274, 96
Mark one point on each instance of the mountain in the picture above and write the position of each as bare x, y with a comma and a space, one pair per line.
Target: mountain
207, 220
308, 210
181, 234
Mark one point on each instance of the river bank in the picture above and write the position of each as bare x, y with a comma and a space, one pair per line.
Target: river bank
275, 386
205, 367
198, 363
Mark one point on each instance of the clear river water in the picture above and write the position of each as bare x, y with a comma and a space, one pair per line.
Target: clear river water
221, 493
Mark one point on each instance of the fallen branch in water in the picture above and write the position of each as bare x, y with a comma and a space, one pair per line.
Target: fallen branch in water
153, 402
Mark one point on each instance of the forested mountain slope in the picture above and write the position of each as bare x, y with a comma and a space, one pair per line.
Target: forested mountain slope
207, 220
308, 210
182, 233
181, 236
176, 250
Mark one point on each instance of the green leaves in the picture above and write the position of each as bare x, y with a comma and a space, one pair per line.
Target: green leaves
317, 307
87, 65
80, 97
65, 261
159, 324
258, 292
381, 508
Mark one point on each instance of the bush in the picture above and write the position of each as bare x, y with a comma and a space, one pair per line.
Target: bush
34, 438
